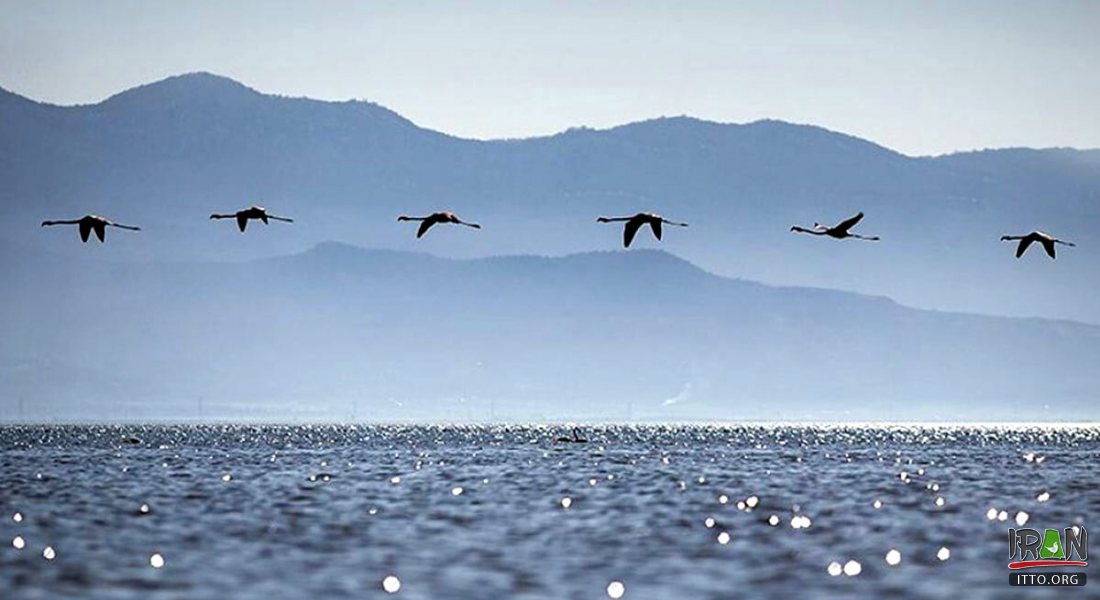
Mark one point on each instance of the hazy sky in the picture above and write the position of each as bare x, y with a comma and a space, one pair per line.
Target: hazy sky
920, 77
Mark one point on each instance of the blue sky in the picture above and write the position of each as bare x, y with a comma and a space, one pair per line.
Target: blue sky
920, 77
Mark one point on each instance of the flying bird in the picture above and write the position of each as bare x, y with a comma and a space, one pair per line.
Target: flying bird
839, 231
439, 217
253, 212
634, 223
90, 223
1045, 239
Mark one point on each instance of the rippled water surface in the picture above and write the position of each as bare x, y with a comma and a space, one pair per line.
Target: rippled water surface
500, 512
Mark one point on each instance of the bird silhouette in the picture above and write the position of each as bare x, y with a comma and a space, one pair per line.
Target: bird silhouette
90, 223
576, 439
253, 212
635, 222
439, 217
839, 231
1048, 241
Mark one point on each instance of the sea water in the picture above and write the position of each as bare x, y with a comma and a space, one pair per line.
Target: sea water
664, 512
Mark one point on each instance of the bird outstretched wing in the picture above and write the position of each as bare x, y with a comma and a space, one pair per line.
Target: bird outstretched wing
424, 227
1048, 245
1024, 243
656, 226
100, 231
629, 231
85, 231
849, 223
242, 222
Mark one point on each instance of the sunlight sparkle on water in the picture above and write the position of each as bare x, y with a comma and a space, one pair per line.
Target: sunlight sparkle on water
944, 553
391, 584
893, 557
156, 561
616, 589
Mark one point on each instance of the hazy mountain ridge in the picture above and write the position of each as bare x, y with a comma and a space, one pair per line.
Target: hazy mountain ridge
338, 331
167, 154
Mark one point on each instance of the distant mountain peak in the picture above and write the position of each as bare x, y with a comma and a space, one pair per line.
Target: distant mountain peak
189, 87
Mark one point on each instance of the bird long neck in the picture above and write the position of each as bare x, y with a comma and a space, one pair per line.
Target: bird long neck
47, 223
407, 218
613, 219
810, 231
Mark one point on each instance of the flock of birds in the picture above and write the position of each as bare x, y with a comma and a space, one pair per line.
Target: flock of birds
842, 230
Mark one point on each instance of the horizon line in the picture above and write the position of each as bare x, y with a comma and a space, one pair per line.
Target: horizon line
679, 422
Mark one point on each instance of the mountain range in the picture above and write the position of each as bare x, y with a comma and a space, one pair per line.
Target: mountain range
539, 315
340, 332
167, 154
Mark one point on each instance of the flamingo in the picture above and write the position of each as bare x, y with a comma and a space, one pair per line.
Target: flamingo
838, 231
635, 222
90, 223
254, 212
439, 217
1048, 241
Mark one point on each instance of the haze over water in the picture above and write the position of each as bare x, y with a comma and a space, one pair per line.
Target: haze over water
492, 512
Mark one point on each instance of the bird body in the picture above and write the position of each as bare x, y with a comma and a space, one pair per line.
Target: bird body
254, 212
635, 222
89, 223
1048, 241
427, 222
839, 231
